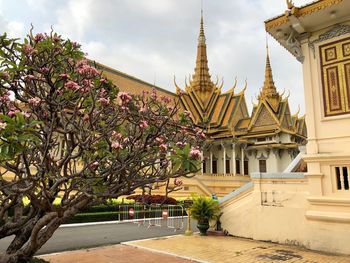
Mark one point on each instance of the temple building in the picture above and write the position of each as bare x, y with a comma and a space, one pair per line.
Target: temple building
267, 140
238, 142
309, 209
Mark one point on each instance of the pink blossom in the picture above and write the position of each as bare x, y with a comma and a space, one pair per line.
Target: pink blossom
12, 112
39, 37
87, 85
124, 97
29, 77
28, 49
60, 92
104, 101
86, 118
170, 108
154, 94
126, 140
116, 135
199, 133
102, 92
177, 182
103, 81
143, 124
34, 101
5, 98
64, 76
26, 114
87, 70
159, 140
44, 70
195, 153
94, 165
180, 93
187, 113
71, 85
165, 99
116, 146
75, 44
163, 147
56, 38
143, 109
4, 75
180, 144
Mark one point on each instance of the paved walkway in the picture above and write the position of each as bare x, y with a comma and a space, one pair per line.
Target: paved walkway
199, 249
113, 254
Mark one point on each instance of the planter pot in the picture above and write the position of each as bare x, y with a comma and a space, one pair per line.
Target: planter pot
203, 226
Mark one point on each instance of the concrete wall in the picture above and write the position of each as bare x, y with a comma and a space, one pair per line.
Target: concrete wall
276, 209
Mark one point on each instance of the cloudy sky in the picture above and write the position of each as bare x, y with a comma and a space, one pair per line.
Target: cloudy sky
156, 39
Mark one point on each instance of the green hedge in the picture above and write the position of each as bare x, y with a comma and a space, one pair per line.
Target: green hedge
93, 217
100, 208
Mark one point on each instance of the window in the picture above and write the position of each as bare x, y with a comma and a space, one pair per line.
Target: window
262, 139
204, 166
262, 166
215, 166
342, 177
238, 167
228, 166
335, 72
246, 167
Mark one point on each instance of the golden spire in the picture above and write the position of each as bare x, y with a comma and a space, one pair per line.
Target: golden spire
269, 85
201, 81
269, 91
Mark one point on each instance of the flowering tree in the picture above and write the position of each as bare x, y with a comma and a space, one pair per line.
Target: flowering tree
68, 135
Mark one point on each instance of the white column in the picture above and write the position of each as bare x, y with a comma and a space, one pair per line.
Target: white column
211, 163
234, 159
224, 152
242, 160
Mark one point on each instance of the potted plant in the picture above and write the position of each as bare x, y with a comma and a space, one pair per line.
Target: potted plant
203, 210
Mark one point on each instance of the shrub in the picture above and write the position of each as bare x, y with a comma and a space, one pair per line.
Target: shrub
204, 209
153, 199
93, 217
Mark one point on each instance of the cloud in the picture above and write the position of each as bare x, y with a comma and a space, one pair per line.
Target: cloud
75, 18
156, 39
14, 29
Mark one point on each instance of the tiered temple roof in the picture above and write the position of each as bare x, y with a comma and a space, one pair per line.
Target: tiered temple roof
225, 114
212, 110
272, 113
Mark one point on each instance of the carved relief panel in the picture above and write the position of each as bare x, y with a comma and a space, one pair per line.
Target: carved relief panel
335, 70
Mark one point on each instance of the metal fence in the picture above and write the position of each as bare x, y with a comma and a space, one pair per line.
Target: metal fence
155, 215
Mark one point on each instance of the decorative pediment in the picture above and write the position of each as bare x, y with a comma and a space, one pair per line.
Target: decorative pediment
336, 31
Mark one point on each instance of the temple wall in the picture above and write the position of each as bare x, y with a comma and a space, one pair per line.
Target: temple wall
326, 134
275, 208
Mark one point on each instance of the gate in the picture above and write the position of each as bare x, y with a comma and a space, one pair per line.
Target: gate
157, 215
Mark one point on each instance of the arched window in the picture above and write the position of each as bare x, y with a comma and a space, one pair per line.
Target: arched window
246, 167
238, 166
215, 166
262, 166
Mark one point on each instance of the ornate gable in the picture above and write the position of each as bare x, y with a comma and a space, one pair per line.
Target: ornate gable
215, 112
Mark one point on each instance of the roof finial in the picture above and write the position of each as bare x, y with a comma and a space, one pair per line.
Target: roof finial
269, 90
290, 4
201, 38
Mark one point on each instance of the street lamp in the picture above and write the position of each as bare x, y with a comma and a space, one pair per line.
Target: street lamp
188, 203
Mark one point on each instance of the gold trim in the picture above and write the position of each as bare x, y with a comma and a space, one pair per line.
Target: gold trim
301, 12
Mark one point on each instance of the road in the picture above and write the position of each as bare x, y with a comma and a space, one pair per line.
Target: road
72, 238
